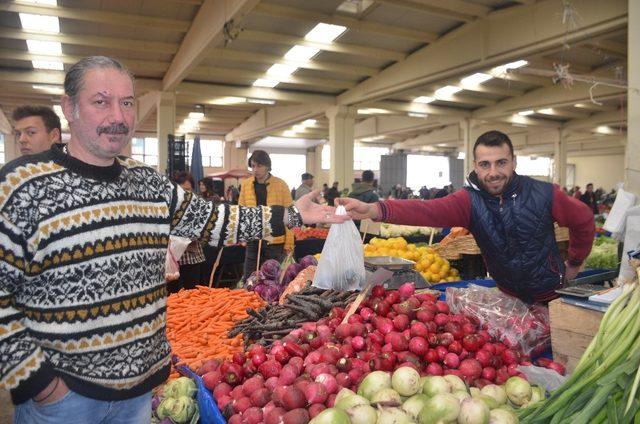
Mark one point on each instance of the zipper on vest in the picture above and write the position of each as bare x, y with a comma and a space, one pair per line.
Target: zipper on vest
513, 196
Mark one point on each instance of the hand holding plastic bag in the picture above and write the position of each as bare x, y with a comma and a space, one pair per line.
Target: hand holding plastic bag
341, 265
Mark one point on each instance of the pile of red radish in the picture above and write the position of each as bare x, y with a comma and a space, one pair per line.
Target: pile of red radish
299, 376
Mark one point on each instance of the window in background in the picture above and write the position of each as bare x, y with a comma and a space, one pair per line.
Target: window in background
535, 166
2, 150
212, 153
145, 150
289, 167
368, 157
326, 157
430, 171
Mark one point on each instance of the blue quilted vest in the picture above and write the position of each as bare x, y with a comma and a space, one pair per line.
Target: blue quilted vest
516, 235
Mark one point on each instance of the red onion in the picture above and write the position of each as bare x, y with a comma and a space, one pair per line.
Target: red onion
406, 290
489, 373
418, 345
431, 356
484, 357
434, 369
366, 313
470, 368
451, 360
442, 307
316, 393
329, 382
441, 319
357, 343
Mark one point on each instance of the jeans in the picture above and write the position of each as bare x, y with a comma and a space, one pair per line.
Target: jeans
73, 408
269, 251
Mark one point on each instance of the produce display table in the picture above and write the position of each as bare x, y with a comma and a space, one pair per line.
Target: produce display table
310, 246
572, 329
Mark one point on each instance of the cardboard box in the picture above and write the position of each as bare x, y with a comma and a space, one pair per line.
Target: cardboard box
572, 329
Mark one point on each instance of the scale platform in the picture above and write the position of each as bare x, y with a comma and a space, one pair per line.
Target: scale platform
402, 270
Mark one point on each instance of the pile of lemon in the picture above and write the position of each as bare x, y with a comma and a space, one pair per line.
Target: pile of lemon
429, 264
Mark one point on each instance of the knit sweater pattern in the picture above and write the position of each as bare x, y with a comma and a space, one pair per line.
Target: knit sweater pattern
82, 256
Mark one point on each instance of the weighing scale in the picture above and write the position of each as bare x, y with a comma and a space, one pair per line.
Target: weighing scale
402, 270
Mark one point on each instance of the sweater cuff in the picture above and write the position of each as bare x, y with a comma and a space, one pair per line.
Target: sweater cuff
575, 262
277, 221
33, 385
382, 212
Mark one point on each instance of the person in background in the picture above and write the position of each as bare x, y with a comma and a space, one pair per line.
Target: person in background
577, 193
424, 193
207, 191
192, 260
589, 199
306, 187
36, 128
511, 217
325, 189
232, 195
83, 310
264, 189
363, 191
332, 194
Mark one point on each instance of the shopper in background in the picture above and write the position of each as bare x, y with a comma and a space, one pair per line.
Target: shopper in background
363, 190
207, 191
511, 217
83, 309
589, 199
36, 128
332, 194
306, 187
232, 195
264, 189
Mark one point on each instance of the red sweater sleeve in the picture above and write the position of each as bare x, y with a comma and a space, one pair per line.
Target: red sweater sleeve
453, 210
572, 213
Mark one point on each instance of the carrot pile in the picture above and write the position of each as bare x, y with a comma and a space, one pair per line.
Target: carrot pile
310, 232
453, 234
198, 321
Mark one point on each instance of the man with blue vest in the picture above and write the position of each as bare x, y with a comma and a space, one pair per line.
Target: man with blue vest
511, 217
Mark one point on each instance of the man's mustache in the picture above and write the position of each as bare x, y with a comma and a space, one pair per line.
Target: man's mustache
119, 128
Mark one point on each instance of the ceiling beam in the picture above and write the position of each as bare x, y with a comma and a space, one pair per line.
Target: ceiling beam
57, 78
337, 47
5, 125
277, 11
406, 107
452, 9
92, 41
207, 31
603, 118
384, 125
499, 38
443, 134
257, 57
145, 106
98, 16
460, 98
272, 119
206, 93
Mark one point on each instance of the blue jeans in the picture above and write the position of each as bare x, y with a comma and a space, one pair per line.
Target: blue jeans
73, 408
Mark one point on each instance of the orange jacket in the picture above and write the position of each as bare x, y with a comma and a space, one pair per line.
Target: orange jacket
278, 193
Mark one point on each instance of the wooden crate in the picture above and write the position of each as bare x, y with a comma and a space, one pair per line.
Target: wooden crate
572, 329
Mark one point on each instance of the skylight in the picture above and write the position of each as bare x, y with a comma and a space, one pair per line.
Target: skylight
298, 128
40, 23
546, 111
196, 115
263, 82
228, 100
475, 79
424, 99
52, 89
371, 111
512, 65
280, 70
262, 101
325, 33
47, 64
526, 112
47, 2
417, 114
309, 122
301, 53
447, 91
44, 47
289, 133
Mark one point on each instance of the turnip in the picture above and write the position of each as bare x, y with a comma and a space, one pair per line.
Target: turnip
473, 411
487, 400
461, 395
331, 416
414, 405
386, 397
406, 381
374, 382
518, 390
441, 408
434, 385
501, 416
455, 382
351, 401
362, 414
496, 392
393, 416
344, 393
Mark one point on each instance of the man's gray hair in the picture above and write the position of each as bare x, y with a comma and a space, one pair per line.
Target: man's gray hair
74, 79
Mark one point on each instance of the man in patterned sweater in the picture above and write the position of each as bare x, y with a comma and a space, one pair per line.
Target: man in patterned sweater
83, 236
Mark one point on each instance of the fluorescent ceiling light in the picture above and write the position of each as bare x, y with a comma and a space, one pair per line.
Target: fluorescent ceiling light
325, 33
40, 23
301, 53
192, 122
57, 109
44, 47
417, 115
289, 133
196, 115
228, 100
298, 128
475, 79
48, 2
581, 105
261, 101
461, 155
52, 89
526, 112
512, 65
447, 91
371, 111
263, 82
309, 122
48, 64
424, 99
603, 129
280, 70
546, 111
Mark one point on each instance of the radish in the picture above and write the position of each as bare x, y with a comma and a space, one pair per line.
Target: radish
329, 382
241, 405
557, 367
451, 360
431, 356
315, 409
316, 393
366, 314
406, 290
287, 375
343, 379
397, 341
418, 345
239, 358
252, 416
445, 339
455, 329
442, 352
455, 347
343, 331
489, 373
235, 419
425, 316
252, 384
442, 307
441, 319
208, 366
260, 397
484, 357
510, 357
471, 342
222, 389
357, 343
293, 398
418, 329
378, 291
211, 379
470, 368
392, 297
401, 322
274, 416
434, 369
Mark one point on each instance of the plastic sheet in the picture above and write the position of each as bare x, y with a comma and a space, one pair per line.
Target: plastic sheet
207, 407
519, 326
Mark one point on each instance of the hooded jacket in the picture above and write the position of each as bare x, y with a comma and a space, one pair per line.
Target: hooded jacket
363, 192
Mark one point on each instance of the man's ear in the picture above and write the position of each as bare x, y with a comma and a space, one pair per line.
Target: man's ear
67, 108
55, 136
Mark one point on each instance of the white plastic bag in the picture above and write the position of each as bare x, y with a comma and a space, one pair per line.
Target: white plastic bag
341, 265
177, 246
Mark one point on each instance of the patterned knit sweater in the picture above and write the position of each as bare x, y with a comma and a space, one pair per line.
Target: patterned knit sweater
82, 289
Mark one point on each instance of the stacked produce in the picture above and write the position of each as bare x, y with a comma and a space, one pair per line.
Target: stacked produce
394, 230
603, 388
604, 254
275, 321
303, 233
271, 280
390, 330
405, 397
429, 263
456, 232
176, 403
198, 321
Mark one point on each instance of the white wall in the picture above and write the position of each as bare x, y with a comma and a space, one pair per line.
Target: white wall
602, 171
